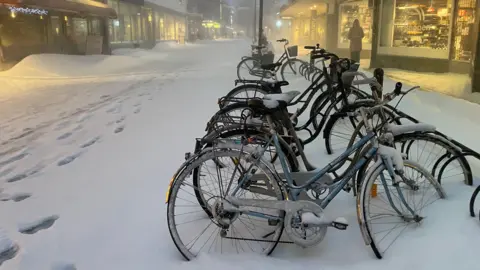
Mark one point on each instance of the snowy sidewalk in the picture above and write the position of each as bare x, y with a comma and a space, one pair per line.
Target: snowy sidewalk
95, 181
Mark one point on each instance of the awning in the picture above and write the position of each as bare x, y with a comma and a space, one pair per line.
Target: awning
83, 7
303, 8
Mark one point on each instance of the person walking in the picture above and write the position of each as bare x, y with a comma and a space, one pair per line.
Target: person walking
355, 35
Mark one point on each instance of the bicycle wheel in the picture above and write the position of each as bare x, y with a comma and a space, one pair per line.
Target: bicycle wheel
230, 114
290, 70
326, 98
257, 137
247, 69
245, 92
431, 152
417, 185
341, 127
215, 231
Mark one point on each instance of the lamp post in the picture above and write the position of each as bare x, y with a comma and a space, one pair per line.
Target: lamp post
260, 22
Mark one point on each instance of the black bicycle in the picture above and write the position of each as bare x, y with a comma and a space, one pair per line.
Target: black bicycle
253, 64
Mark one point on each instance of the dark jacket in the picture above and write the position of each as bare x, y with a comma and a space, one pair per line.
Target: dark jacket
355, 35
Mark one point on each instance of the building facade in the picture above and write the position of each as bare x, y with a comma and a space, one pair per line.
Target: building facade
419, 35
426, 36
41, 26
144, 23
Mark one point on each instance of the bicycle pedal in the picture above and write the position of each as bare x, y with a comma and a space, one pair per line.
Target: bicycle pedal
340, 224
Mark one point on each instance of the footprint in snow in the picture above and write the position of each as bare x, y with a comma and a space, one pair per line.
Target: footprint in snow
8, 249
137, 110
27, 173
7, 171
68, 159
64, 136
16, 197
77, 128
90, 142
64, 266
119, 129
17, 157
120, 119
62, 125
115, 109
37, 225
84, 118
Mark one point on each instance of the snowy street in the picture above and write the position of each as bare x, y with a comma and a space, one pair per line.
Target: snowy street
88, 146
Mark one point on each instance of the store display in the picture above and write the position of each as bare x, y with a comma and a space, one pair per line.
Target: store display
351, 11
423, 24
464, 30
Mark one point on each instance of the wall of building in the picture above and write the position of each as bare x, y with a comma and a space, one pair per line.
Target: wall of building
176, 5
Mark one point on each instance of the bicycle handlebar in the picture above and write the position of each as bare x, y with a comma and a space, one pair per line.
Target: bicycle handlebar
282, 40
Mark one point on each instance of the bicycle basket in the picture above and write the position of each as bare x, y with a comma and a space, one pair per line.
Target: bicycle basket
293, 51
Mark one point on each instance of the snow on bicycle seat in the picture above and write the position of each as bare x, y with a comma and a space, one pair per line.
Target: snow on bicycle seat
270, 67
273, 101
285, 97
402, 129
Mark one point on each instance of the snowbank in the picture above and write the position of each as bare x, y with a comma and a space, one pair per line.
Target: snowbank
458, 85
61, 66
142, 54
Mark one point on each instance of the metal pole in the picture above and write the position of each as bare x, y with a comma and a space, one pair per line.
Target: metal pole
255, 20
260, 22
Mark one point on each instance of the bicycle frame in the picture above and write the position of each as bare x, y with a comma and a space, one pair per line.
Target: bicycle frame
294, 191
338, 185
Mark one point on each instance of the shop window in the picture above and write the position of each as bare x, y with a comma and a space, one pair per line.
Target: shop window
115, 31
159, 32
22, 31
95, 28
419, 28
55, 25
464, 31
127, 34
169, 27
138, 28
349, 12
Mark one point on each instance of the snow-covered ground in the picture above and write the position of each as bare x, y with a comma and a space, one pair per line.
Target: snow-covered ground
87, 152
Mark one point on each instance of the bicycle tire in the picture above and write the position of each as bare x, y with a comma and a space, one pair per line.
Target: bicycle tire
244, 61
365, 192
177, 183
332, 121
407, 137
288, 64
260, 88
319, 100
327, 132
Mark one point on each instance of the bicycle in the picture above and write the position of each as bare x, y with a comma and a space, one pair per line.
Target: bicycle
436, 162
301, 215
287, 59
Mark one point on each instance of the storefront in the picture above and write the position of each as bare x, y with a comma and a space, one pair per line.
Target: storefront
28, 27
143, 24
306, 21
426, 35
339, 24
127, 29
195, 28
